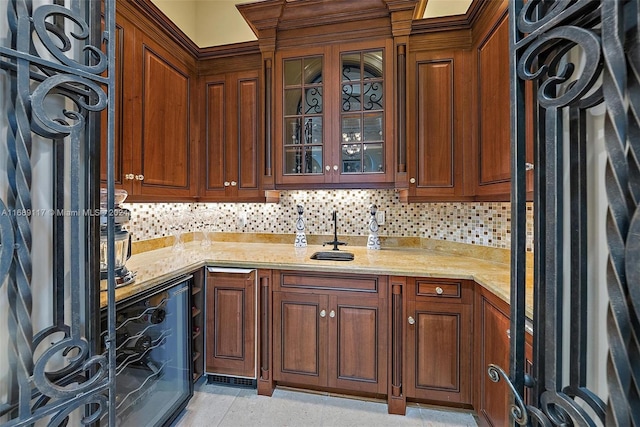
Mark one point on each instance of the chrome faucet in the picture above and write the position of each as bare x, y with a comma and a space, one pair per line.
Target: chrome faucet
335, 241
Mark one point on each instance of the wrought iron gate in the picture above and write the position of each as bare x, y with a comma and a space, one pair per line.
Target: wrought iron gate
54, 79
575, 55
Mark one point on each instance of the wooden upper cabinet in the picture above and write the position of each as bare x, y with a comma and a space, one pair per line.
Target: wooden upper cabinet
153, 106
437, 92
231, 137
125, 45
334, 115
165, 157
165, 163
493, 120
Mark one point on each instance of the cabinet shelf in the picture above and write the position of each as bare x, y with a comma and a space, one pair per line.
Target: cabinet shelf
197, 326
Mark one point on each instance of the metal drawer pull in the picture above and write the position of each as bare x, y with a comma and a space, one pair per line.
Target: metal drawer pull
323, 313
411, 320
439, 290
332, 314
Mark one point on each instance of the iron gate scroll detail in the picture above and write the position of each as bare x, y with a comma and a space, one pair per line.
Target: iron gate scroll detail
41, 63
546, 38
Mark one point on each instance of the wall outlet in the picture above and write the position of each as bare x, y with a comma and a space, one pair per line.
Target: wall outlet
242, 218
380, 217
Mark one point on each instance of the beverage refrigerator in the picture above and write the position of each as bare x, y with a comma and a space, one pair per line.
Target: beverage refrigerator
153, 356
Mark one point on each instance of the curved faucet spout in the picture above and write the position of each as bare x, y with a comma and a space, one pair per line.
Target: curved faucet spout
335, 241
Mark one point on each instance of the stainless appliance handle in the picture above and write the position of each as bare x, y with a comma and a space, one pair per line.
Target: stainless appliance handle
229, 270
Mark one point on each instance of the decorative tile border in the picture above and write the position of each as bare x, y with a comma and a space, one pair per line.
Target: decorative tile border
482, 223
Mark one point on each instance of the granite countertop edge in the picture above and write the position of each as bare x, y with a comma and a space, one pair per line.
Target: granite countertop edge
158, 266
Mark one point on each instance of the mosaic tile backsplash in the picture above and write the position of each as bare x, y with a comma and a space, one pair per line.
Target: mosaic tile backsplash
486, 223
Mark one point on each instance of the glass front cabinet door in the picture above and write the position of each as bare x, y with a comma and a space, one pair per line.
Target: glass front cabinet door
335, 121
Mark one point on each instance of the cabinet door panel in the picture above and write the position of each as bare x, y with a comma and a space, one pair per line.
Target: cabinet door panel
230, 324
300, 338
438, 334
231, 137
494, 139
165, 146
357, 354
215, 136
357, 327
436, 134
435, 129
229, 306
494, 397
248, 134
439, 351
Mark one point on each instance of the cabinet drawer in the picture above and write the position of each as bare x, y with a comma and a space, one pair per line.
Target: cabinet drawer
439, 289
356, 283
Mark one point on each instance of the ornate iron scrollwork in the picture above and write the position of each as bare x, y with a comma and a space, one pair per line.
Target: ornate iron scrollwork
517, 409
41, 62
576, 54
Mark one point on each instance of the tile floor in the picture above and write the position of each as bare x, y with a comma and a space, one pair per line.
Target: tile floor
214, 405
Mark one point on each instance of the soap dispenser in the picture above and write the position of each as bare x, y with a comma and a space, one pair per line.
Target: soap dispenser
301, 238
373, 242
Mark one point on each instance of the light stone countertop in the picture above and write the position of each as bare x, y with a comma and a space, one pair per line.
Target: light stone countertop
158, 266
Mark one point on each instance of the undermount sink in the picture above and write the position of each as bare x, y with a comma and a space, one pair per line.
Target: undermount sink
333, 256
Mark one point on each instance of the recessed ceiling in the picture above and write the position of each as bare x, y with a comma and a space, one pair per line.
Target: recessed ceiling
438, 8
218, 22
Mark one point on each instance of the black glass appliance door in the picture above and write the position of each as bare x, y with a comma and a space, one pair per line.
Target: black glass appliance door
153, 380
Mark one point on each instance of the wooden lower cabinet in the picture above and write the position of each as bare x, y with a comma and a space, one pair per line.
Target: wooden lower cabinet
300, 338
439, 341
493, 399
231, 323
331, 338
358, 346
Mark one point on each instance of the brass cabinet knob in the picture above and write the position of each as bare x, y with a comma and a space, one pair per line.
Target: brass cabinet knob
411, 320
323, 313
439, 290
